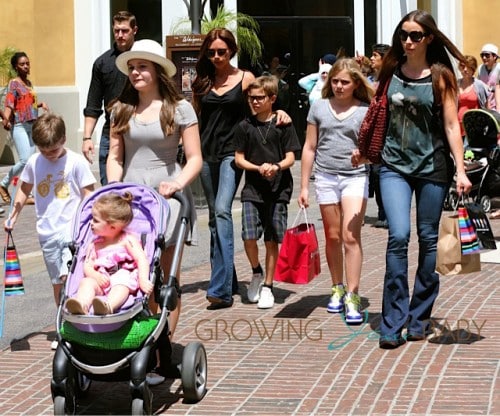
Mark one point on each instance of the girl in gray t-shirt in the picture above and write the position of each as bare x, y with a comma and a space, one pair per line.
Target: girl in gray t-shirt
333, 125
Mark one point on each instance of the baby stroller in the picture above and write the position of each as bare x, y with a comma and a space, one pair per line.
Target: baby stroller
123, 345
483, 170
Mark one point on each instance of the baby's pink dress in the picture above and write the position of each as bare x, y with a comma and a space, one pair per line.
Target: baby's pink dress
118, 264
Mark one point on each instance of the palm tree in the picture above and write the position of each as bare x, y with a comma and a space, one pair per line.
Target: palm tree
6, 70
244, 26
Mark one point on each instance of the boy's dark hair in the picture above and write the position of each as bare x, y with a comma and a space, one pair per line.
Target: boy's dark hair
48, 130
381, 48
269, 83
125, 16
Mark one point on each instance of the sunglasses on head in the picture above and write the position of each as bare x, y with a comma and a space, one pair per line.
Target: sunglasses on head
486, 55
415, 35
219, 52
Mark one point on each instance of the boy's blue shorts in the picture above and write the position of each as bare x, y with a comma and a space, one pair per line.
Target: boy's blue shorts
56, 255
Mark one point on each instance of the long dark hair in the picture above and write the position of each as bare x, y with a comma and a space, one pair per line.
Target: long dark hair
437, 55
123, 107
205, 70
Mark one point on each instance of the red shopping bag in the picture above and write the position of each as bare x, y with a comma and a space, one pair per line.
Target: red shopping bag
298, 260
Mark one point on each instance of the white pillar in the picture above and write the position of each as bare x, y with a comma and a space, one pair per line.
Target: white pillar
92, 22
389, 15
448, 16
359, 27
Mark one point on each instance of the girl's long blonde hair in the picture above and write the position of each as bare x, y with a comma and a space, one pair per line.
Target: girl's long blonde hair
363, 92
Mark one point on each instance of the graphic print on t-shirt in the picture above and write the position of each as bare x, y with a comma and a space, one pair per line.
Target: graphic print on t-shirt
61, 187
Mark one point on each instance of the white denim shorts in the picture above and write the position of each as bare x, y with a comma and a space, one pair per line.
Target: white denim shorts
56, 255
330, 189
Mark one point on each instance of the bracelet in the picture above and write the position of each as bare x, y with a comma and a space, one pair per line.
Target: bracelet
87, 138
278, 165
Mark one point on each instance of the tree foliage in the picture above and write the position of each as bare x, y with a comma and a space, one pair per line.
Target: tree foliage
6, 70
245, 27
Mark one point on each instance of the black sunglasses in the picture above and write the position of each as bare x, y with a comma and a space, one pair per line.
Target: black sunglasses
415, 35
486, 55
258, 98
212, 52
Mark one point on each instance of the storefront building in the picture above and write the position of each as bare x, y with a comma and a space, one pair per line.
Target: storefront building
63, 38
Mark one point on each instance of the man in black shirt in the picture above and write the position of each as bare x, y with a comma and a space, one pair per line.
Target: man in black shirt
106, 84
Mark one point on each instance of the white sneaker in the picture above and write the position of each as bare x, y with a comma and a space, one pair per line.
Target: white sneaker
254, 287
54, 344
266, 299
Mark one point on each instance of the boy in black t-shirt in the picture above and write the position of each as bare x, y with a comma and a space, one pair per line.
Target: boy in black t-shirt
266, 153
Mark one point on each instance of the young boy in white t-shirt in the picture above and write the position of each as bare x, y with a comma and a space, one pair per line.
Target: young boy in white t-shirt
59, 179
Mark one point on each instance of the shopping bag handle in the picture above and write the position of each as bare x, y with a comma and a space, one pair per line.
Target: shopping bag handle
8, 237
461, 202
304, 211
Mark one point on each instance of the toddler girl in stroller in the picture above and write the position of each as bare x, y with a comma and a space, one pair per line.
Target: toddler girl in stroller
116, 264
124, 345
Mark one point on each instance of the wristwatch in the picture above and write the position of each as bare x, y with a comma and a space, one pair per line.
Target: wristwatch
87, 138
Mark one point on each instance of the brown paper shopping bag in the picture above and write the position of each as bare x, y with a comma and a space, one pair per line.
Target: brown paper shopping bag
450, 260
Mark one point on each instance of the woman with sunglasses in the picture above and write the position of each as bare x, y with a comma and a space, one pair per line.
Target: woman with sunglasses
218, 98
423, 130
489, 71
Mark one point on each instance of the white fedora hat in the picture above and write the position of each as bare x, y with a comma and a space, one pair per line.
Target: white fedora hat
148, 50
489, 47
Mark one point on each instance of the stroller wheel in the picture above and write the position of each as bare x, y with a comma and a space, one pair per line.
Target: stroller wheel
62, 407
194, 372
137, 407
59, 405
485, 203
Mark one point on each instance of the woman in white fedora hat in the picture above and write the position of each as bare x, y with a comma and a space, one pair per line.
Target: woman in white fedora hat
148, 120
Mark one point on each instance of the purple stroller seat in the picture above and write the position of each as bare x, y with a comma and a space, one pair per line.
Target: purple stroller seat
151, 215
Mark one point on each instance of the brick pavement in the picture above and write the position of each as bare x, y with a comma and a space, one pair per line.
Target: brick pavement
308, 362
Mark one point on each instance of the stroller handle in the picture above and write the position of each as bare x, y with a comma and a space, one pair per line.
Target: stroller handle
185, 207
170, 292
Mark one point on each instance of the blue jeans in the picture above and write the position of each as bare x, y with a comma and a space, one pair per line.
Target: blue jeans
103, 157
397, 308
23, 141
220, 182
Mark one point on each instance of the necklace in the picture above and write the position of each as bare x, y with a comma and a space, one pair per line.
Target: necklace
264, 137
